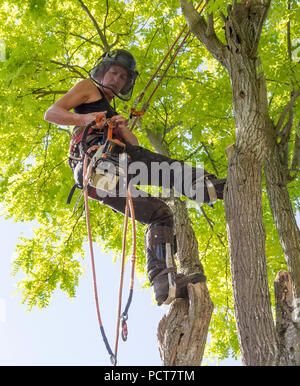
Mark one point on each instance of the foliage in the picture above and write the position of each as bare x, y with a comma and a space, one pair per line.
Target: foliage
50, 45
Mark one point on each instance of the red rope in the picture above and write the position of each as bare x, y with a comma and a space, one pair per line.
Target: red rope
122, 276
129, 207
141, 96
88, 225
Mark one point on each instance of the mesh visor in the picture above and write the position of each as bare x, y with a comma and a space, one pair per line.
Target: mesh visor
118, 58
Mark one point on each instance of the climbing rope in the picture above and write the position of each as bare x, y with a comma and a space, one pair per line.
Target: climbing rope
123, 318
88, 224
136, 115
129, 207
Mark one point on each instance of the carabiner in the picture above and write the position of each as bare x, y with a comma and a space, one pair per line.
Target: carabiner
124, 332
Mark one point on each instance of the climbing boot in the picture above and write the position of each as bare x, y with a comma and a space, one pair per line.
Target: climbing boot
161, 286
161, 268
211, 187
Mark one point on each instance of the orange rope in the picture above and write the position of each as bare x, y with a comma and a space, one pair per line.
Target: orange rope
129, 207
140, 97
88, 224
122, 276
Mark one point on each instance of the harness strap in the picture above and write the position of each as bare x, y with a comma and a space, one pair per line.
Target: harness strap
74, 187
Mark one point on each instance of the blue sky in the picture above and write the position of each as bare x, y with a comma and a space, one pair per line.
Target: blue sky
67, 332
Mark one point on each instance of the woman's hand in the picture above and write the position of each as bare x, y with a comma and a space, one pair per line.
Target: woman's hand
121, 124
90, 117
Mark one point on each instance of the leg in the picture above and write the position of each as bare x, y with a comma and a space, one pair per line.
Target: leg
194, 183
159, 245
159, 241
161, 268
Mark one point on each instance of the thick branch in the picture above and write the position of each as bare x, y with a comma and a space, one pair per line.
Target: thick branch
156, 142
204, 31
296, 158
286, 324
286, 110
98, 29
283, 215
259, 29
70, 67
285, 136
182, 334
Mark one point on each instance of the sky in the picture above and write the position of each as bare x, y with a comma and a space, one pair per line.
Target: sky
67, 333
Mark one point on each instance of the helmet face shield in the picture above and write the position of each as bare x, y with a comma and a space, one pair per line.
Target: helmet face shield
118, 58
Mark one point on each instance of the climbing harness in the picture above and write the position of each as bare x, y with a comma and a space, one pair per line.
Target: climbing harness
107, 153
136, 115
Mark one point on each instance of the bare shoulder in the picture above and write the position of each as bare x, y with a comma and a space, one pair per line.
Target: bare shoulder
84, 87
82, 92
91, 90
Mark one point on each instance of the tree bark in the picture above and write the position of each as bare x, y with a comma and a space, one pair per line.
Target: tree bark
182, 334
243, 200
246, 237
287, 323
282, 211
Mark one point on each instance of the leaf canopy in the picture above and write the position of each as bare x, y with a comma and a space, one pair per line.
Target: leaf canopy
49, 46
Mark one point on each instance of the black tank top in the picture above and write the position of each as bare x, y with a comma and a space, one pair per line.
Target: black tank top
93, 107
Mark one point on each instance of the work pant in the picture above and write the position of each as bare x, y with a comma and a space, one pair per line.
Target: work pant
148, 209
152, 210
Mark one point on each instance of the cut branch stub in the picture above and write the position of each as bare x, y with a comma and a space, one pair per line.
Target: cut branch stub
183, 332
287, 320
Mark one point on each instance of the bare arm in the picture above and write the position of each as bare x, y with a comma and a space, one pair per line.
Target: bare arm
60, 113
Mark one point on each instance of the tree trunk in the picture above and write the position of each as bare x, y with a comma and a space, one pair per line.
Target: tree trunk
183, 332
283, 215
287, 323
243, 200
246, 237
260, 342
